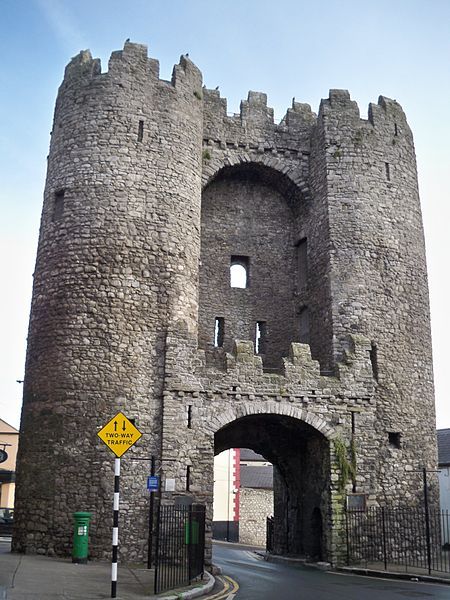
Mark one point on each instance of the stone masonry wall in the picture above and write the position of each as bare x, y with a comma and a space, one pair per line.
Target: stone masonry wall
244, 219
254, 507
253, 148
242, 394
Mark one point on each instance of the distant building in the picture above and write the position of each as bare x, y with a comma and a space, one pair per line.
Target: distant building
9, 440
443, 437
255, 497
226, 496
243, 496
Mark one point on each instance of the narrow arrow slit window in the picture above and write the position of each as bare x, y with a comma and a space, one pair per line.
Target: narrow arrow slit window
58, 205
260, 337
219, 332
188, 478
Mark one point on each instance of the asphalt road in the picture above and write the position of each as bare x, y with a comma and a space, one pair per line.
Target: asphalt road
261, 580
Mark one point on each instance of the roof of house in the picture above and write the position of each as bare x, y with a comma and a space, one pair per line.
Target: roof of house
257, 477
6, 427
443, 440
247, 454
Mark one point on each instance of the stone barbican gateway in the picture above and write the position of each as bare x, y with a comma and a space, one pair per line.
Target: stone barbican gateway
318, 357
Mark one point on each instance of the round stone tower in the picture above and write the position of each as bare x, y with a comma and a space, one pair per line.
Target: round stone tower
378, 276
117, 262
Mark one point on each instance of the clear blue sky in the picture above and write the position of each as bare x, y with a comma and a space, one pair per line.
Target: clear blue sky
398, 48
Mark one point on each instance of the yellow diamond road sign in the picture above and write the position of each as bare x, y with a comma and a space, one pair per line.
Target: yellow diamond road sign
119, 434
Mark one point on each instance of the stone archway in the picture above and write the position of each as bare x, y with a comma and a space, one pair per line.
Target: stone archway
300, 453
219, 420
287, 170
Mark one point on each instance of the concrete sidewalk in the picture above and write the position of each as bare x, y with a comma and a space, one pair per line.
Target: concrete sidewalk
33, 577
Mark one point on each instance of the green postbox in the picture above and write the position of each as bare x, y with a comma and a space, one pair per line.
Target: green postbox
191, 532
81, 537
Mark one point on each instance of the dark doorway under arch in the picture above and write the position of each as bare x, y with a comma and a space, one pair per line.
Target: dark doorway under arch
315, 536
300, 455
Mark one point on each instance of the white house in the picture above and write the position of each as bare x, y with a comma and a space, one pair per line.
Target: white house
443, 437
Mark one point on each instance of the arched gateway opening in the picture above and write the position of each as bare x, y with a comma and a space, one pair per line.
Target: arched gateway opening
256, 274
300, 455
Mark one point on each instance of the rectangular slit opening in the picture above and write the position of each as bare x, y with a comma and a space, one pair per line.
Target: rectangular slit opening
58, 205
260, 337
373, 353
189, 416
304, 326
302, 264
140, 131
388, 171
219, 332
188, 478
394, 438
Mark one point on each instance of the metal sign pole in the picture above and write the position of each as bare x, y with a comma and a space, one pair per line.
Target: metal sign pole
427, 518
150, 520
119, 434
424, 472
115, 535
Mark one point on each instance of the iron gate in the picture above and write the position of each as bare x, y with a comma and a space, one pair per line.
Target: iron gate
180, 546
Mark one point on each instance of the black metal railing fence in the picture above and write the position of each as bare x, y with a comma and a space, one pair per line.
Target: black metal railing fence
180, 546
410, 538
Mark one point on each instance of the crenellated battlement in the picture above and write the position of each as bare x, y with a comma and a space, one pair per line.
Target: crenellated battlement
299, 115
339, 100
389, 112
188, 368
255, 109
82, 66
129, 67
386, 112
254, 124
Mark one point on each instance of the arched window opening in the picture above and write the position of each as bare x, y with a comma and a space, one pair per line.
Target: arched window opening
239, 272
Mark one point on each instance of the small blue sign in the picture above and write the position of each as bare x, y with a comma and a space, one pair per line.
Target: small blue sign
153, 483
